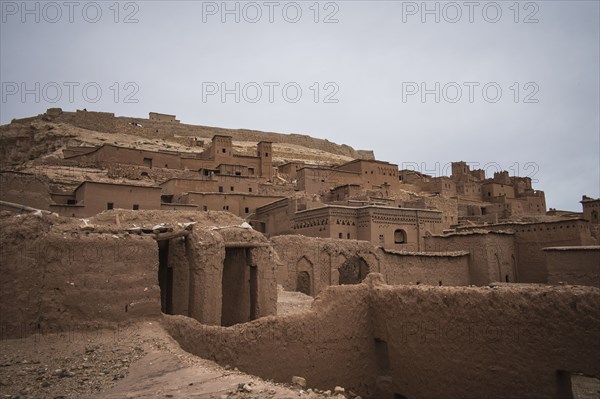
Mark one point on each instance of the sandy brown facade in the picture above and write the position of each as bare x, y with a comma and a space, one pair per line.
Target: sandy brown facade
91, 198
531, 238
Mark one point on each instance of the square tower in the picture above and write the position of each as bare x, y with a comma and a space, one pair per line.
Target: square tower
264, 150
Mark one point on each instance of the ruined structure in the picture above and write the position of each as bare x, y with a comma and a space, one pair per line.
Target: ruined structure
500, 335
204, 265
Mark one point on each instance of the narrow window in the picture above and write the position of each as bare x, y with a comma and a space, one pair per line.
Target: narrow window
136, 207
110, 205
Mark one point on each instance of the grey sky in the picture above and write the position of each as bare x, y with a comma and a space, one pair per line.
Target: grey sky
371, 57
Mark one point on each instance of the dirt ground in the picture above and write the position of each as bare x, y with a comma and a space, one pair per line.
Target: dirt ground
138, 361
135, 361
292, 302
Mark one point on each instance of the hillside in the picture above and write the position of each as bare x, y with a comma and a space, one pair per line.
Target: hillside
47, 134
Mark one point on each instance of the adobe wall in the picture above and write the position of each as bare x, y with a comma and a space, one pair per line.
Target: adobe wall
491, 254
53, 281
504, 342
449, 268
530, 238
222, 275
95, 196
573, 265
333, 336
420, 342
320, 180
322, 259
55, 272
98, 121
239, 204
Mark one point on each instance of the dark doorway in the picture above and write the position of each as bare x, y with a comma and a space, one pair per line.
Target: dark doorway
353, 271
239, 287
165, 278
303, 283
382, 356
564, 390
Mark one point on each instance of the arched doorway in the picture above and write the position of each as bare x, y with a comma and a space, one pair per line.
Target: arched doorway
353, 271
303, 283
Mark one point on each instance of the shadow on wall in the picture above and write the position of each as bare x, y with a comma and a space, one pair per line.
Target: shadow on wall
416, 342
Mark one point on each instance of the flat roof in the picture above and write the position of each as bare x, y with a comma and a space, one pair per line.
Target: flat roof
115, 184
234, 193
387, 208
159, 113
368, 161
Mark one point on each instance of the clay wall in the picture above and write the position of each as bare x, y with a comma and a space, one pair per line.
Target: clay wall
450, 268
275, 218
507, 342
217, 183
109, 154
241, 205
53, 282
98, 121
591, 209
491, 255
469, 190
393, 341
155, 116
315, 180
311, 342
573, 265
177, 186
322, 260
58, 274
493, 189
96, 196
289, 170
530, 238
396, 228
374, 174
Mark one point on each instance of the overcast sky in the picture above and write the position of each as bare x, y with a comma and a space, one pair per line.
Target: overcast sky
501, 85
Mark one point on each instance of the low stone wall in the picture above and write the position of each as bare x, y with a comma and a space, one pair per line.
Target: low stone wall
573, 265
418, 342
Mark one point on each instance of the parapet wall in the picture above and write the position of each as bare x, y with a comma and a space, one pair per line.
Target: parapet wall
419, 342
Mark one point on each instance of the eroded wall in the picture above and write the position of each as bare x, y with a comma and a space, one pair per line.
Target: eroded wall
50, 281
420, 342
322, 259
